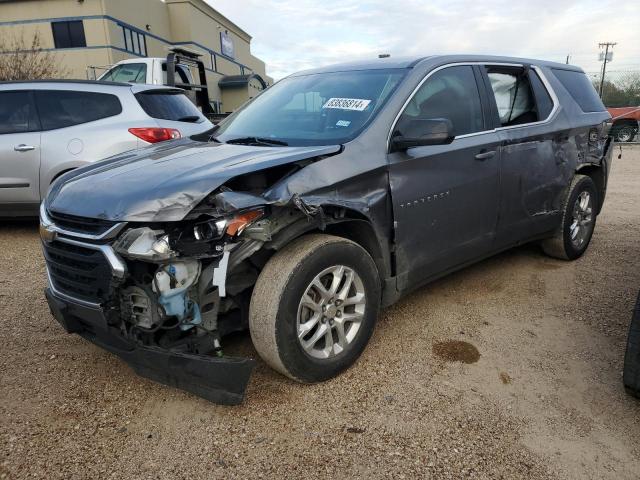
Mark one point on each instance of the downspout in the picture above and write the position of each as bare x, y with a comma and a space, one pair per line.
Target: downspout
106, 33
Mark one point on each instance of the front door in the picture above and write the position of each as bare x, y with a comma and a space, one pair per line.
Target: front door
445, 197
19, 152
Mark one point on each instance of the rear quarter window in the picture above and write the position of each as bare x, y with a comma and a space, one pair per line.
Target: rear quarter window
581, 89
169, 105
65, 108
543, 99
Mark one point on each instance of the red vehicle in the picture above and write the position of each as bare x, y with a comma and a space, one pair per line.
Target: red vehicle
625, 123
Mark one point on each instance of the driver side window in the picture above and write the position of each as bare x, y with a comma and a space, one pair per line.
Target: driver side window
450, 93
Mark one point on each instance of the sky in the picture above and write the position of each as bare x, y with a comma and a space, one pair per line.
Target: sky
291, 35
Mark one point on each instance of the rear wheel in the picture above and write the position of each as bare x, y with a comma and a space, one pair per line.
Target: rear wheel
631, 374
625, 133
314, 307
578, 221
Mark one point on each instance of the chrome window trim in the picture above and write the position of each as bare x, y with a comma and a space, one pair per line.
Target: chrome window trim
46, 221
538, 70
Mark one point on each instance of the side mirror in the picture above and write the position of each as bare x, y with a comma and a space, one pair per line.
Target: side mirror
417, 132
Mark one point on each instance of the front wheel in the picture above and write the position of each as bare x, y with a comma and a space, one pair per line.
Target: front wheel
578, 221
314, 307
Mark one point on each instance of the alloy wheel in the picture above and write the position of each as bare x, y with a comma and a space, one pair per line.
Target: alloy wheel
582, 219
331, 312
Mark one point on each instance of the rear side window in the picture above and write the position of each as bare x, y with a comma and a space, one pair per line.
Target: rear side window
64, 108
581, 89
127, 73
169, 105
17, 113
514, 96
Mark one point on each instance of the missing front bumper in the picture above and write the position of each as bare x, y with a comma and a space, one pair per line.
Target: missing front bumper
219, 380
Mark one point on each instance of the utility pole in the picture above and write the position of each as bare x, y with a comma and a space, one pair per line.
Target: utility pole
606, 46
568, 57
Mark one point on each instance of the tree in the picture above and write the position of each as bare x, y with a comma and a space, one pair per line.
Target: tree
622, 90
22, 59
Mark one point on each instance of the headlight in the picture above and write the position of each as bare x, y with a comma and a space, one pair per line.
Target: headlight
232, 226
203, 238
209, 230
146, 244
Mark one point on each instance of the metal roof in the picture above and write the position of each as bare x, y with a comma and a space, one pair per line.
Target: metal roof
410, 62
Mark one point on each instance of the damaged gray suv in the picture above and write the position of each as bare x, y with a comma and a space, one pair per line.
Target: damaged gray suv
331, 194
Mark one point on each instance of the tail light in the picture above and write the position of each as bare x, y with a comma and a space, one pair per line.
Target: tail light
155, 135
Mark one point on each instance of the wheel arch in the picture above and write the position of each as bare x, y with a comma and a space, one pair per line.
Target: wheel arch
598, 175
341, 222
623, 122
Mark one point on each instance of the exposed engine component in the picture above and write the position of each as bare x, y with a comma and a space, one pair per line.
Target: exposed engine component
139, 308
209, 299
172, 283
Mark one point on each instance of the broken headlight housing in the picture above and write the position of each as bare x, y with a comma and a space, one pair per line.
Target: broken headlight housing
200, 239
146, 244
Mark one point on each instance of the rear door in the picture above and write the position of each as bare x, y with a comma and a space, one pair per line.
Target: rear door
19, 150
533, 171
78, 128
445, 197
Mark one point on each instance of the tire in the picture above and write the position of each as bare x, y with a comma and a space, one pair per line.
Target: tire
562, 245
625, 133
276, 311
631, 373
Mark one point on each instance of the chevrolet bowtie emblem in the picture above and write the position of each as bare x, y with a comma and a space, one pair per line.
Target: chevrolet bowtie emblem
47, 234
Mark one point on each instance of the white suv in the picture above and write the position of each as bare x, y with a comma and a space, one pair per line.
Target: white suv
48, 128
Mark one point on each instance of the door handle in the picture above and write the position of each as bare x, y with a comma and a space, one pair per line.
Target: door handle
24, 148
485, 155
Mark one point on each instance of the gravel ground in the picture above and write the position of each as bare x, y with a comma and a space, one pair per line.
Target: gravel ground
537, 394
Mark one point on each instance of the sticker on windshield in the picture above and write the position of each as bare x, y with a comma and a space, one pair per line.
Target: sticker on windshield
357, 104
343, 123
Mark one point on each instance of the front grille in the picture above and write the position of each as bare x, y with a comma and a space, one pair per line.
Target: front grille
78, 272
91, 226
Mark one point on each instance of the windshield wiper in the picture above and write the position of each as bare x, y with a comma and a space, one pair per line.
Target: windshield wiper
257, 141
189, 118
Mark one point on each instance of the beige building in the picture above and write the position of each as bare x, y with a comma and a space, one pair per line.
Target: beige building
85, 33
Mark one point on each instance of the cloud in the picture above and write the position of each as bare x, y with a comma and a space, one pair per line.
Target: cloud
291, 35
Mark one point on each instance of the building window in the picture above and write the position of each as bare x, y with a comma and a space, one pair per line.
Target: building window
134, 42
68, 34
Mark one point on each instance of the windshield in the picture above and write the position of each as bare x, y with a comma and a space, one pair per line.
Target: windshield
126, 73
317, 109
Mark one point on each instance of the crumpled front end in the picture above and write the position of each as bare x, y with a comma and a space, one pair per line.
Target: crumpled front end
218, 379
156, 295
163, 290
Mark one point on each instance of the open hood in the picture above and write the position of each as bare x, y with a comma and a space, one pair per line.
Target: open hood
164, 182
